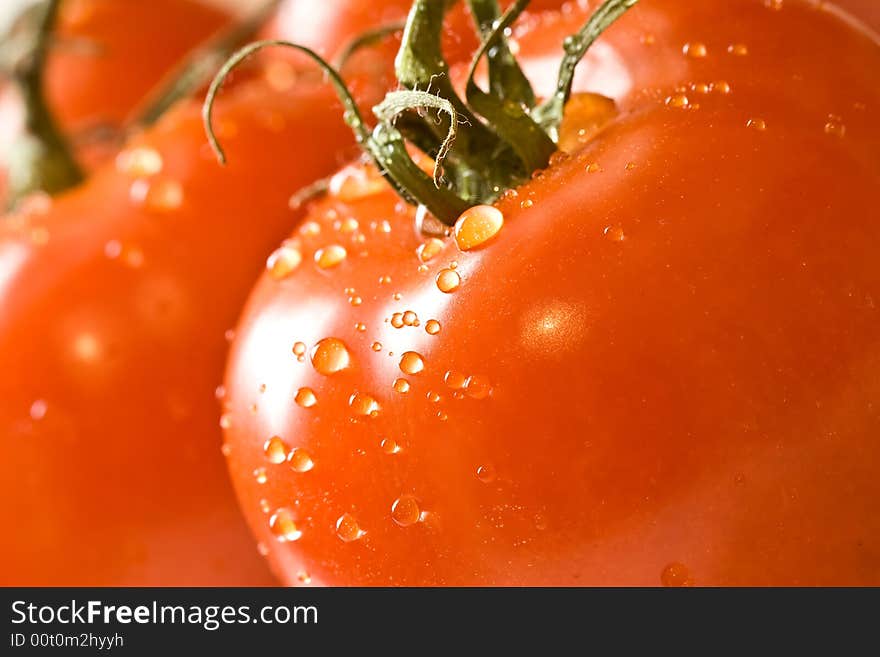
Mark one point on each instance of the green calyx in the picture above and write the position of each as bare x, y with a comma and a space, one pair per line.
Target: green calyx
482, 145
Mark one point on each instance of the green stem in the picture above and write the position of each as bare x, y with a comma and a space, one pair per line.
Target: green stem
41, 159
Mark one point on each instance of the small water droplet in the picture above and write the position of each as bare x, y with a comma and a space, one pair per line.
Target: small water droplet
329, 356
389, 446
486, 474
330, 256
384, 280
411, 362
835, 127
678, 101
276, 450
614, 233
299, 348
139, 161
405, 511
432, 327
376, 346
593, 167
526, 203
347, 528
401, 385
305, 397
429, 249
363, 404
695, 50
397, 320
283, 261
757, 124
410, 318
477, 225
477, 386
738, 49
283, 525
260, 475
448, 280
432, 397
454, 380
300, 460
38, 409
355, 300
676, 574
310, 229
158, 195
225, 420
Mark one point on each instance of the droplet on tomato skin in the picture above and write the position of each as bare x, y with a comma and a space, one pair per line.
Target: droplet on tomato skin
593, 167
428, 249
305, 397
401, 386
158, 195
276, 450
283, 525
330, 256
835, 127
300, 460
347, 225
678, 101
486, 474
738, 49
384, 280
432, 327
347, 528
614, 233
262, 549
139, 161
405, 511
720, 87
433, 397
448, 281
757, 124
695, 50
360, 327
476, 226
330, 356
397, 320
260, 475
676, 574
363, 404
454, 380
389, 446
310, 229
299, 348
376, 346
225, 420
303, 577
411, 362
525, 204
38, 409
410, 318
774, 5
355, 300
477, 387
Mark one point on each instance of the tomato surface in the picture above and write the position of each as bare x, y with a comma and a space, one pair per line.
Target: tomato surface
663, 369
114, 300
104, 63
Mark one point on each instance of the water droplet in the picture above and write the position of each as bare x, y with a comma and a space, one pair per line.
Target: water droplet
262, 388
429, 248
696, 50
300, 460
676, 574
225, 420
486, 474
384, 280
376, 346
347, 528
593, 167
432, 327
411, 362
310, 229
260, 475
299, 348
38, 409
738, 49
363, 404
678, 101
355, 300
835, 127
226, 449
397, 320
405, 511
526, 203
757, 124
330, 256
283, 525
720, 87
448, 280
630, 166
389, 446
356, 182
139, 161
477, 387
262, 549
159, 195
432, 397
410, 318
329, 356
477, 225
454, 380
360, 327
397, 296
401, 385
303, 577
276, 450
305, 397
347, 225
614, 233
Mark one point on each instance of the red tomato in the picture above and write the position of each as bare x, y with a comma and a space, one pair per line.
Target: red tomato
114, 300
106, 61
661, 370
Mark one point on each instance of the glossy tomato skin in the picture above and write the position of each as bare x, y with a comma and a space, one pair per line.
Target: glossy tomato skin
106, 63
113, 307
662, 370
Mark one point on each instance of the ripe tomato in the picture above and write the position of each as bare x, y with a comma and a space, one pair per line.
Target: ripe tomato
662, 369
105, 62
114, 300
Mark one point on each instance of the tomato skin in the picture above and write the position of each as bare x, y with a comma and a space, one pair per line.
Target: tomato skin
682, 353
106, 64
112, 318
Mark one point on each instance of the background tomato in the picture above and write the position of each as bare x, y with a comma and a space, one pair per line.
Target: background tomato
105, 62
662, 370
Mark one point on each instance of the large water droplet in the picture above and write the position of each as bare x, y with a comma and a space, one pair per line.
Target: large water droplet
276, 450
477, 225
329, 356
347, 528
305, 397
676, 574
448, 280
283, 525
300, 460
405, 511
411, 362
